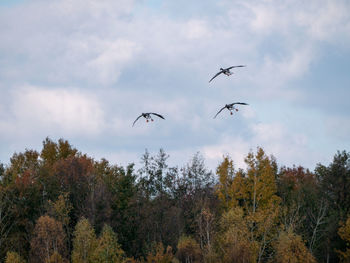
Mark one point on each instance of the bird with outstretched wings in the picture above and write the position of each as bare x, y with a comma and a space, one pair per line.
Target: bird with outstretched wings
226, 71
148, 116
230, 107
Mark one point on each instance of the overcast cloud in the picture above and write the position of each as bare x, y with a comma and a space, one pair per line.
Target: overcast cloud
85, 69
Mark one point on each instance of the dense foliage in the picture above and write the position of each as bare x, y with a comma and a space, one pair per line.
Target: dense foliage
60, 205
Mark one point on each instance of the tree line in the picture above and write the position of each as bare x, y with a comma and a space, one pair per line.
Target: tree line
60, 205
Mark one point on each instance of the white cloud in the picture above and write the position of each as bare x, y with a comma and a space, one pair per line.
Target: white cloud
265, 18
314, 19
95, 9
69, 41
55, 111
328, 20
235, 147
197, 29
274, 138
112, 55
275, 74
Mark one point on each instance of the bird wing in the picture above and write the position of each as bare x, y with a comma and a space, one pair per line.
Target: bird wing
217, 74
160, 116
239, 66
219, 112
240, 103
136, 120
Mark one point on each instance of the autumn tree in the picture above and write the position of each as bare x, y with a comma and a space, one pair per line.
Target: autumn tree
344, 233
23, 200
255, 192
160, 255
234, 240
188, 250
56, 258
52, 152
304, 208
290, 247
13, 257
21, 163
256, 214
60, 210
225, 187
108, 248
84, 242
48, 238
206, 228
74, 176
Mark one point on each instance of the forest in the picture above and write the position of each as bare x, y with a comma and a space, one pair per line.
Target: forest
60, 205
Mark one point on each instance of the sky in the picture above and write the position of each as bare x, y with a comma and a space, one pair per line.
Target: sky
83, 70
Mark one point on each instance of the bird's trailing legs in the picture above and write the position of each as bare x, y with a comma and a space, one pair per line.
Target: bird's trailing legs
234, 109
148, 117
230, 107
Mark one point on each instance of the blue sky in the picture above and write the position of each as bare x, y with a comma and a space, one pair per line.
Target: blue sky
83, 70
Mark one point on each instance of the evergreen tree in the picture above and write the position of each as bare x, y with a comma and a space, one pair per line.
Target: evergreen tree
335, 184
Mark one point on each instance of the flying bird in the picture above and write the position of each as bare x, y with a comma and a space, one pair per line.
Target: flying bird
231, 107
148, 116
226, 71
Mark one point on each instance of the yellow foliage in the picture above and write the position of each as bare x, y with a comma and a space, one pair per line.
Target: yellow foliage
344, 233
188, 250
108, 248
159, 255
13, 257
61, 208
235, 241
84, 242
290, 248
55, 258
224, 189
254, 192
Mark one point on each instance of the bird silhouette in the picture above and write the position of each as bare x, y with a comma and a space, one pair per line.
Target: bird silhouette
230, 107
226, 71
148, 117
